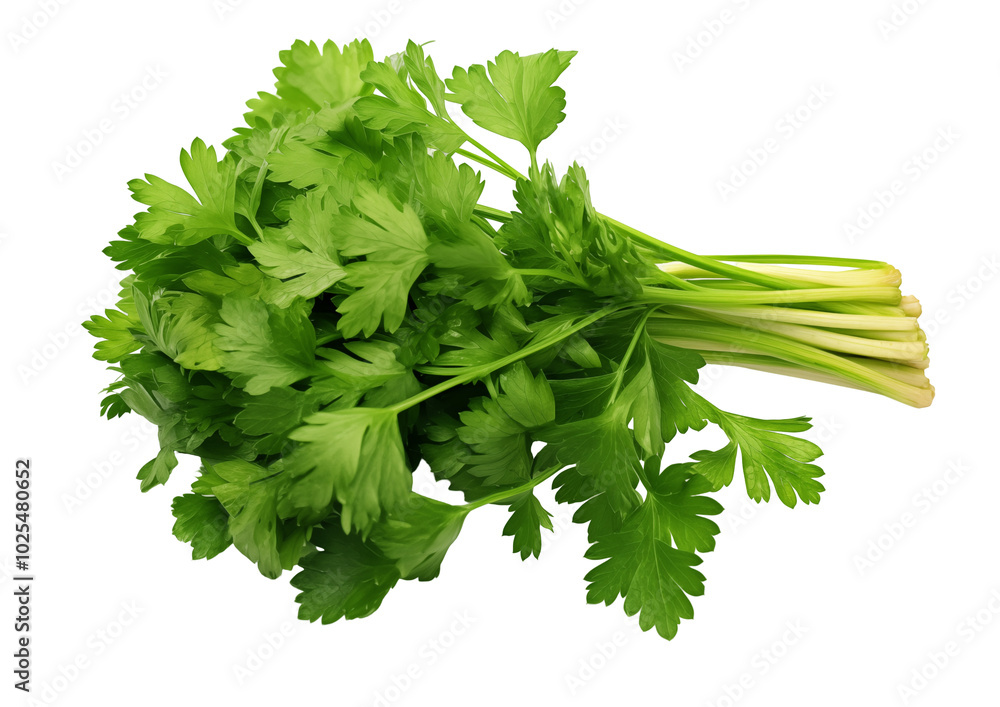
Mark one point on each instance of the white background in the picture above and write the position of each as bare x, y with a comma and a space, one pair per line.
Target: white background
659, 136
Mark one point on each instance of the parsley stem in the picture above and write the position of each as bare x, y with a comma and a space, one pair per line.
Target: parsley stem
803, 260
258, 188
492, 214
507, 169
472, 373
485, 162
649, 242
623, 366
514, 492
705, 263
886, 295
882, 275
809, 317
554, 274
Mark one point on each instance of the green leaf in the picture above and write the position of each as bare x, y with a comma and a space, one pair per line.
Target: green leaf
304, 165
176, 217
303, 272
676, 496
661, 402
250, 495
277, 411
264, 346
417, 534
401, 110
650, 560
445, 192
204, 523
328, 465
527, 518
769, 456
157, 470
602, 448
348, 579
499, 448
373, 365
421, 70
517, 98
394, 244
115, 331
310, 79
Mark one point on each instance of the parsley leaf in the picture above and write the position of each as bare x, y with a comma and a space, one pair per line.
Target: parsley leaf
176, 217
204, 523
327, 465
418, 533
394, 244
769, 456
265, 346
347, 579
650, 561
311, 79
516, 99
527, 518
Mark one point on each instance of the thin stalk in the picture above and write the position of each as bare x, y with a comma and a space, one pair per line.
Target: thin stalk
623, 365
471, 373
507, 169
653, 244
884, 335
809, 317
514, 492
713, 266
887, 295
554, 274
493, 214
840, 278
804, 260
479, 159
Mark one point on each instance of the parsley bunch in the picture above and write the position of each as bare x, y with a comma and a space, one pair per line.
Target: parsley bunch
330, 305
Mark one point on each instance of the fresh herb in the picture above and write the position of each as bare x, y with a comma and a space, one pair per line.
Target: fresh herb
332, 304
